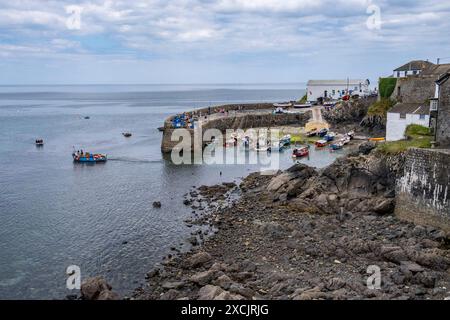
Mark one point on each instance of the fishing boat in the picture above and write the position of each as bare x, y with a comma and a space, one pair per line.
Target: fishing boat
301, 152
89, 157
126, 134
302, 105
329, 136
337, 146
39, 142
321, 143
323, 132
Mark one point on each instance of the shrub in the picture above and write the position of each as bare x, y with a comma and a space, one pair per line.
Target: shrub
386, 86
380, 107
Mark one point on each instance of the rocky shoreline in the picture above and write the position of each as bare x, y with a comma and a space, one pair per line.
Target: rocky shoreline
305, 234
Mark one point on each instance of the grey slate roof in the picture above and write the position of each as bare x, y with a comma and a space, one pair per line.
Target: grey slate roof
436, 70
411, 108
414, 65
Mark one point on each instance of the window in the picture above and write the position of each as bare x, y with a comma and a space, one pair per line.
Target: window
422, 117
402, 115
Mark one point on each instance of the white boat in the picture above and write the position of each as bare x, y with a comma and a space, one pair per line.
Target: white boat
282, 105
302, 105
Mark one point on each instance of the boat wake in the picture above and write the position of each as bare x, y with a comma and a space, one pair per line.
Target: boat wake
133, 160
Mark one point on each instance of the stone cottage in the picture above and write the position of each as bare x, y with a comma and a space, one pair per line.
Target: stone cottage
411, 68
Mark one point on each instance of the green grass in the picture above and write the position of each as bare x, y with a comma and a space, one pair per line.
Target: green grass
303, 99
416, 137
386, 86
380, 107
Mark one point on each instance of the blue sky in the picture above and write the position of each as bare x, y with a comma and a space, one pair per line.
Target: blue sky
216, 41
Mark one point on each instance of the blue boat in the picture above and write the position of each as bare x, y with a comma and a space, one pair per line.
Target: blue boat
337, 146
329, 137
322, 133
89, 158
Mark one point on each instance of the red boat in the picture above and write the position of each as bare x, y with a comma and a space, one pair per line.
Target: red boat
302, 152
321, 143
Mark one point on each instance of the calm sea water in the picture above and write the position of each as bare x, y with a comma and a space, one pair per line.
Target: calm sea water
54, 213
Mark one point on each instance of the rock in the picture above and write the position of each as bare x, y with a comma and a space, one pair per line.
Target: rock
209, 292
156, 204
91, 288
187, 202
241, 290
393, 254
224, 282
311, 294
335, 284
385, 207
411, 266
427, 279
172, 284
273, 230
108, 295
203, 278
366, 147
170, 295
198, 259
419, 231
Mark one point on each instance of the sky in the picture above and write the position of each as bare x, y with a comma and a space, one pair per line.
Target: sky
216, 41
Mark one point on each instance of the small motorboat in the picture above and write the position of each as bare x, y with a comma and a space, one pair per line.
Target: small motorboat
301, 152
39, 142
302, 105
286, 140
337, 146
346, 140
323, 132
311, 133
87, 118
89, 157
127, 134
282, 105
321, 143
329, 136
351, 134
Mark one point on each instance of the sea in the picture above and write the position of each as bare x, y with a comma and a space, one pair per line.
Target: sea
100, 218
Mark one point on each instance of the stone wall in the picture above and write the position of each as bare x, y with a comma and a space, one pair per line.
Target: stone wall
443, 127
422, 192
414, 89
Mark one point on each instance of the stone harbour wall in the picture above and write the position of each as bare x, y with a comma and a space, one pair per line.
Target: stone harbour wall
422, 192
250, 119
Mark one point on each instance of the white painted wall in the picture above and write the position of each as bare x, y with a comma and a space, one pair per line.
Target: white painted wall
402, 74
395, 126
317, 91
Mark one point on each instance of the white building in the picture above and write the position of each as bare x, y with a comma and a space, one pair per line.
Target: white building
335, 89
404, 114
412, 68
